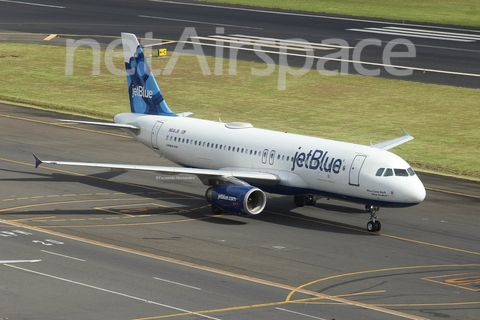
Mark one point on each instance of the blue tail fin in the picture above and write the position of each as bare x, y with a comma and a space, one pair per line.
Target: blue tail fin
144, 93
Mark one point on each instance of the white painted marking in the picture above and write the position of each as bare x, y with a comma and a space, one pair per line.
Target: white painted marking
291, 41
260, 40
300, 314
264, 44
199, 22
177, 283
393, 33
305, 15
346, 60
426, 34
33, 4
61, 255
207, 269
110, 291
474, 36
17, 261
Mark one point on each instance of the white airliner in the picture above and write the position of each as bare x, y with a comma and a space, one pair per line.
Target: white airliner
240, 162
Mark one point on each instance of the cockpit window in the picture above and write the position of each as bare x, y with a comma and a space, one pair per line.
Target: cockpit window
380, 172
401, 172
411, 172
388, 173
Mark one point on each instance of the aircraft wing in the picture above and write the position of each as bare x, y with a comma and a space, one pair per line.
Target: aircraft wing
105, 124
394, 142
230, 176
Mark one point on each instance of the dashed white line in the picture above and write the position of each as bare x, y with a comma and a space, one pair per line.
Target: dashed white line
177, 283
110, 291
61, 255
300, 314
343, 60
33, 4
421, 33
293, 14
199, 22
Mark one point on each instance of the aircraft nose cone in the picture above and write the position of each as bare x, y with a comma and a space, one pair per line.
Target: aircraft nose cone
416, 192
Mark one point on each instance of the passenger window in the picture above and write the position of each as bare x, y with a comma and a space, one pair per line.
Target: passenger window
388, 173
410, 171
380, 172
401, 172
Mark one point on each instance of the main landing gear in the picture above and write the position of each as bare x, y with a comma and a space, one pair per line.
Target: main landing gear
373, 225
304, 200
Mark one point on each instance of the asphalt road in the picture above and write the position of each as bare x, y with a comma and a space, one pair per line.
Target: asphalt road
134, 245
440, 54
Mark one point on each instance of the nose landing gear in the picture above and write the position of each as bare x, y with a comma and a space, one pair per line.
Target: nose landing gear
373, 225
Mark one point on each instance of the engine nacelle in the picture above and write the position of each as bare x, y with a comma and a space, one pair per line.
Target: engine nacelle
246, 200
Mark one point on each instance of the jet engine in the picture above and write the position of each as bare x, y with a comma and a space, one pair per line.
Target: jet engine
246, 200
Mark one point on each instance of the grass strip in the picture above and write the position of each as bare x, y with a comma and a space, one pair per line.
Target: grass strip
460, 12
445, 121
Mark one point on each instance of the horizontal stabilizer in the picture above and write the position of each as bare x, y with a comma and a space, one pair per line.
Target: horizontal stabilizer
394, 142
105, 124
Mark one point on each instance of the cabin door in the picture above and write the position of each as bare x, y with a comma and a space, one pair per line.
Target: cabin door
154, 137
354, 179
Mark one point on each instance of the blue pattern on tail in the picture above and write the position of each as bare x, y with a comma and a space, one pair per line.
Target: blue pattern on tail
144, 93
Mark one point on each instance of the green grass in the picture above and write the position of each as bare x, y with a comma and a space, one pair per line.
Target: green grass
460, 12
445, 121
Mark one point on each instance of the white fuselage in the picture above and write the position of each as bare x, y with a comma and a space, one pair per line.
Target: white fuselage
306, 165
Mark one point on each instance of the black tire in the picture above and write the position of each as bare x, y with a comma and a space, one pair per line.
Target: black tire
370, 226
311, 200
374, 226
300, 201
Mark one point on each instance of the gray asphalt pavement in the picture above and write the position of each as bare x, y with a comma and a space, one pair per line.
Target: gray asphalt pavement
128, 245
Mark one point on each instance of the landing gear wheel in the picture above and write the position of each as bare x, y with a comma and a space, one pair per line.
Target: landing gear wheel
300, 201
373, 225
216, 209
311, 200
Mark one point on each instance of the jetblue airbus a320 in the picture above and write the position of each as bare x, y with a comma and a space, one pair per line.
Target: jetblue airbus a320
240, 162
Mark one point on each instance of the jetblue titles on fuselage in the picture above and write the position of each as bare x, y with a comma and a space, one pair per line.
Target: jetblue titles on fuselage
316, 160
